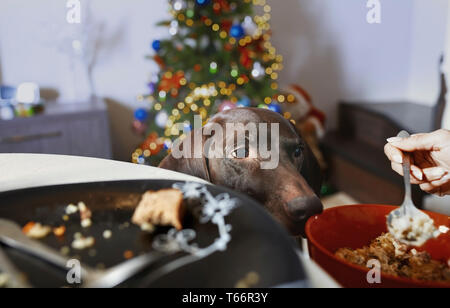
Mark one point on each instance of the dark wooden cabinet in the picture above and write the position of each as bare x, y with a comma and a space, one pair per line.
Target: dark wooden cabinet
71, 129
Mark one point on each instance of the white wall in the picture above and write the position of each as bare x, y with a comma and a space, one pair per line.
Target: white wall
328, 46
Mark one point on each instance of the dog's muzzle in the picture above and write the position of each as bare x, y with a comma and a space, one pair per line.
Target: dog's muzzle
300, 209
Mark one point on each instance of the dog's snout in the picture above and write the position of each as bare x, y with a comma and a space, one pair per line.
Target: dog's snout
302, 208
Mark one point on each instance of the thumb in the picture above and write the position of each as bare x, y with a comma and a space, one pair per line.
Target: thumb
418, 142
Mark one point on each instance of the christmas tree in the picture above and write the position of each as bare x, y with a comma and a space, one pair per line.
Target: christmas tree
218, 57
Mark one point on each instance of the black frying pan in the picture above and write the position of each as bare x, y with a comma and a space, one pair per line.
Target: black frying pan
258, 243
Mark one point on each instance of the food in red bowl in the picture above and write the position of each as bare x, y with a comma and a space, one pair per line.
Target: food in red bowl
355, 227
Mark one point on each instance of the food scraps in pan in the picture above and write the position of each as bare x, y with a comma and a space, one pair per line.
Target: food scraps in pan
163, 208
398, 260
81, 242
59, 231
36, 230
156, 208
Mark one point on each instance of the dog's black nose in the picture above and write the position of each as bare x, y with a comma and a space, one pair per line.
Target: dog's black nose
301, 208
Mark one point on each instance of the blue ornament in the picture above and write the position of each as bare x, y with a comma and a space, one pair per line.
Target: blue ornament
237, 31
141, 160
156, 45
187, 128
152, 87
202, 2
167, 144
141, 114
244, 102
275, 107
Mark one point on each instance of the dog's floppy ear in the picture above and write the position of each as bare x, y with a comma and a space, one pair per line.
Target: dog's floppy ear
197, 167
311, 171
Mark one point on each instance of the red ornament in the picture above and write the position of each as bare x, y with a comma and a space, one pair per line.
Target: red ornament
169, 83
245, 77
221, 6
139, 127
197, 67
226, 25
228, 47
159, 60
153, 143
245, 58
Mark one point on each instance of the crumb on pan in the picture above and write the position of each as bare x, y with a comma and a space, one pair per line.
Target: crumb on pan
397, 260
85, 215
36, 230
80, 242
107, 234
59, 231
162, 208
71, 209
128, 254
249, 281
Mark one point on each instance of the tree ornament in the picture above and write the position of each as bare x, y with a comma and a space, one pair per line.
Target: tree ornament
237, 31
263, 106
161, 119
202, 2
249, 26
139, 127
213, 68
245, 58
244, 102
275, 107
156, 45
221, 6
141, 114
173, 30
178, 5
258, 71
171, 81
151, 87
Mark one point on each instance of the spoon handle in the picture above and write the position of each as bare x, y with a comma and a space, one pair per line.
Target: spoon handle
406, 170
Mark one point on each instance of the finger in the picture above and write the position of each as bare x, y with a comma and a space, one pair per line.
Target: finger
434, 173
429, 188
416, 172
414, 178
393, 153
424, 142
438, 187
442, 181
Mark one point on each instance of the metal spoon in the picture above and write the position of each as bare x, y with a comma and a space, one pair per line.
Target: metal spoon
18, 280
12, 236
408, 224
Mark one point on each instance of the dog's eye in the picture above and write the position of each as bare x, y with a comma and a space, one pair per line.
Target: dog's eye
298, 151
241, 153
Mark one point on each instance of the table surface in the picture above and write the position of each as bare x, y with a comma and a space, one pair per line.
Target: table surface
19, 171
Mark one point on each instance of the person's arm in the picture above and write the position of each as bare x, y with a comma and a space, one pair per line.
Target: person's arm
430, 159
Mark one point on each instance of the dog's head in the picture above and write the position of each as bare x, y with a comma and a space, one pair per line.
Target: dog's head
288, 189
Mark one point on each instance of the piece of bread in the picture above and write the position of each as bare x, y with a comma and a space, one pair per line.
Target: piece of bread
162, 208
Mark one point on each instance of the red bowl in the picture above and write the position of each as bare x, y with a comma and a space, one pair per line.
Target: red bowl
355, 226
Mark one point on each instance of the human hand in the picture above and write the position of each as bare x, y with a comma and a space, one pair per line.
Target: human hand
430, 159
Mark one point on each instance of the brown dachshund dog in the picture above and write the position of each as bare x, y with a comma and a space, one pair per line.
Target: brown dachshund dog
289, 191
